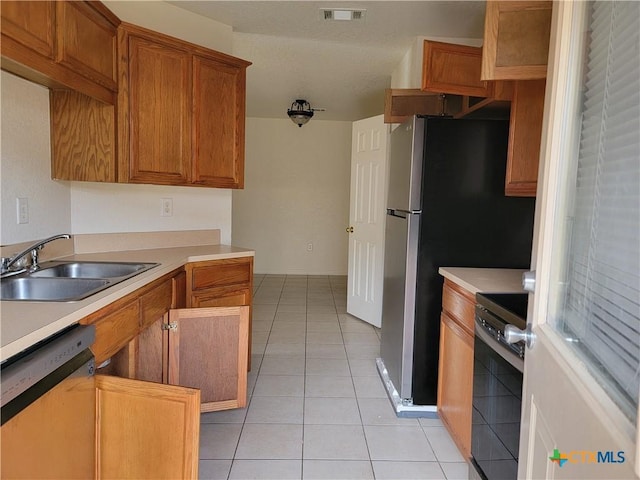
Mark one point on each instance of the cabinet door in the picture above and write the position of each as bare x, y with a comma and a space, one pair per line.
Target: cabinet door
208, 350
54, 437
525, 133
516, 40
159, 119
218, 123
30, 24
455, 382
449, 68
86, 42
146, 430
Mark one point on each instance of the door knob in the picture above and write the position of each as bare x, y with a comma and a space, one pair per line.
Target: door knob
513, 334
529, 281
349, 229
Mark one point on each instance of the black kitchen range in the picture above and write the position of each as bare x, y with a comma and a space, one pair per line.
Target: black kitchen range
497, 385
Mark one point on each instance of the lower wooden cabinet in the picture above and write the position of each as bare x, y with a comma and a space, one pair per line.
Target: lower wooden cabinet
105, 427
221, 283
455, 368
207, 349
203, 348
455, 387
149, 335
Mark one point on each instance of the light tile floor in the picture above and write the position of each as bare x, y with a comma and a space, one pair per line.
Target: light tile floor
317, 408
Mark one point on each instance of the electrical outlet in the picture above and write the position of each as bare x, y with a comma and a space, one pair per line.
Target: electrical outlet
310, 247
166, 207
22, 210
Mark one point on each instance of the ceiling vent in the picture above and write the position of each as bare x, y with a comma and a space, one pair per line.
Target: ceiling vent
342, 14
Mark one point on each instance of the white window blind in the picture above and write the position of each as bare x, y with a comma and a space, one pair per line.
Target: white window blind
600, 315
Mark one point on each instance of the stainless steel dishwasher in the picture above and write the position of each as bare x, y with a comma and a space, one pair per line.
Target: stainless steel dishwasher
47, 414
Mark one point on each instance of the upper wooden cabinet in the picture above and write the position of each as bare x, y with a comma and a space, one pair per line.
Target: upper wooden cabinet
86, 41
30, 24
455, 69
63, 44
525, 133
181, 112
516, 40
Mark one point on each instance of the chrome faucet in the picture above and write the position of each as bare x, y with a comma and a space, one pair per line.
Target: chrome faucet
15, 264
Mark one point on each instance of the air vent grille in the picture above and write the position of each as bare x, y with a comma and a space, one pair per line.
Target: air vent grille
342, 14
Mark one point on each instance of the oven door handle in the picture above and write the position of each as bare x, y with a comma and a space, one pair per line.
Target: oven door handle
497, 347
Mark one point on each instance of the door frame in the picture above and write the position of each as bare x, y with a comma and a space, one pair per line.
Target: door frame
558, 134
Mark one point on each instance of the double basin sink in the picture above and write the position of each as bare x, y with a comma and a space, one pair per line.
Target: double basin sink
61, 281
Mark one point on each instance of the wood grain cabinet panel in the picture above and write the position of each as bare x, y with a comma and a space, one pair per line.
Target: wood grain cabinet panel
207, 350
105, 427
455, 382
221, 283
62, 45
181, 112
30, 23
115, 330
155, 303
86, 42
218, 157
455, 69
516, 40
83, 138
455, 364
525, 135
159, 113
146, 430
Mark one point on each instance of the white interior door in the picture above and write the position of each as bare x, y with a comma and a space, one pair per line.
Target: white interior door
369, 159
574, 425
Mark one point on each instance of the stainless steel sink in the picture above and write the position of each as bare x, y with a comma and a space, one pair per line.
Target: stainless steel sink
50, 289
90, 269
60, 281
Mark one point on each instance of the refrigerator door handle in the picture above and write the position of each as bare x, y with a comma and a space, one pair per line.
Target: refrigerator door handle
397, 212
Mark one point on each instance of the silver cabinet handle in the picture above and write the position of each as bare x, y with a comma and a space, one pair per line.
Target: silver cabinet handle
513, 334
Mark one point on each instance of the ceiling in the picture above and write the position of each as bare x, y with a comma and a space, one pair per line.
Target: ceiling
340, 66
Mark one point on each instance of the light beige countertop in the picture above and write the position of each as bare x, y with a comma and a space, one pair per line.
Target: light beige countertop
23, 324
496, 280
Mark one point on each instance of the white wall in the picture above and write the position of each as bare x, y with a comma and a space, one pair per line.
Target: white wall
25, 158
296, 192
171, 20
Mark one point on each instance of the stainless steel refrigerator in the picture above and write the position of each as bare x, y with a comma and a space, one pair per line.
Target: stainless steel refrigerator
446, 207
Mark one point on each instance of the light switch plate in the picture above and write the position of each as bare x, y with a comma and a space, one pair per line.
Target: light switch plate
22, 210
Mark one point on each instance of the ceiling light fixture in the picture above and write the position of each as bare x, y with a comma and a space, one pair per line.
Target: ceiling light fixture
300, 112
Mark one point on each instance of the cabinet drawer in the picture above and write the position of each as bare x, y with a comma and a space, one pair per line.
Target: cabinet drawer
223, 297
115, 330
459, 304
156, 303
221, 273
